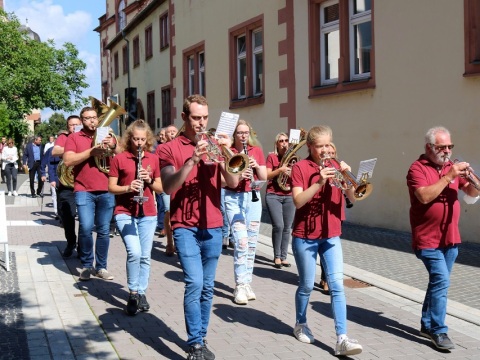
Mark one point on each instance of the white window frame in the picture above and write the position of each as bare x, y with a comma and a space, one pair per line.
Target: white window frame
356, 19
122, 17
201, 73
324, 30
255, 51
241, 56
191, 74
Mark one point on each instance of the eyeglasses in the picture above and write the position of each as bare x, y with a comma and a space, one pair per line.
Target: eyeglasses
283, 141
90, 117
240, 133
442, 147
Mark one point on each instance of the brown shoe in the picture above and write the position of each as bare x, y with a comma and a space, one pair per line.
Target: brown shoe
324, 286
161, 234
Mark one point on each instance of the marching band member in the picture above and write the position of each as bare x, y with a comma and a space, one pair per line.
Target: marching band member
136, 220
244, 213
279, 201
316, 230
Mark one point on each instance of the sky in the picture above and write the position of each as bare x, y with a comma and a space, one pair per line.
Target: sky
66, 21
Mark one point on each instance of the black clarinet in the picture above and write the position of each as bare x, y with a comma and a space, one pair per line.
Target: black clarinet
254, 192
140, 198
347, 201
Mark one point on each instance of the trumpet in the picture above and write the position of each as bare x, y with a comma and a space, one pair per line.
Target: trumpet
140, 199
234, 163
472, 178
345, 179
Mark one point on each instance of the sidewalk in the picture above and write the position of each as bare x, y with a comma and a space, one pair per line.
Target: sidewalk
47, 314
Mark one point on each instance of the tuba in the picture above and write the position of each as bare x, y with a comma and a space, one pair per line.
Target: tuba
290, 158
65, 174
106, 115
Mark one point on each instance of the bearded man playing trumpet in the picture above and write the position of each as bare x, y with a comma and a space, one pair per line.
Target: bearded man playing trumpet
94, 203
433, 183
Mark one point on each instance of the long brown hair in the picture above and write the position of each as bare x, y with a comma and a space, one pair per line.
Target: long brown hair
139, 124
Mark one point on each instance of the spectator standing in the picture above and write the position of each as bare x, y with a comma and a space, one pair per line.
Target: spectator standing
3, 144
94, 203
49, 144
32, 159
433, 182
10, 166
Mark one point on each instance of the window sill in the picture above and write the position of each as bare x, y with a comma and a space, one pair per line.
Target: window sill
251, 101
343, 87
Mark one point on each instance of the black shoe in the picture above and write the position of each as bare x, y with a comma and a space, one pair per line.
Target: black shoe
132, 305
34, 196
40, 195
207, 354
143, 304
68, 252
425, 332
442, 341
224, 247
196, 352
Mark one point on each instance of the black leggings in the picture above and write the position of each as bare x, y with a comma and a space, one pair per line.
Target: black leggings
11, 173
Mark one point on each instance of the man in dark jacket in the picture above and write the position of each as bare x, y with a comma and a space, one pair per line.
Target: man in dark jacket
32, 158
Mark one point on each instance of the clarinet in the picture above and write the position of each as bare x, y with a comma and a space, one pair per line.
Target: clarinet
140, 198
254, 192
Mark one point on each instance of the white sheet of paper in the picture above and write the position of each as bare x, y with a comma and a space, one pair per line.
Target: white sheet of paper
227, 123
77, 128
102, 133
257, 184
366, 166
294, 136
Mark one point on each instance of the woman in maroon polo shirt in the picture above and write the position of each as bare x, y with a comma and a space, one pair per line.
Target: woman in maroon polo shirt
136, 213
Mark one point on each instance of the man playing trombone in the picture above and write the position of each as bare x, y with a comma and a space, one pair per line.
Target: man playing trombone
433, 183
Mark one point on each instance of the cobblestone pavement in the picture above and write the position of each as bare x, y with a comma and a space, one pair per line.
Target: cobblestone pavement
57, 317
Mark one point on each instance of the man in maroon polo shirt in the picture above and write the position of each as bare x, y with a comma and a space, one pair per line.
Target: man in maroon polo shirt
94, 203
194, 186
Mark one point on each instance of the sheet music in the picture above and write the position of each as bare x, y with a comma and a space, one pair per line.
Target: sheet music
77, 128
366, 166
257, 184
227, 123
102, 133
294, 136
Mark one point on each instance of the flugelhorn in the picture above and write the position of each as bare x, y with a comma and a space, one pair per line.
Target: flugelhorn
345, 179
471, 177
290, 158
234, 163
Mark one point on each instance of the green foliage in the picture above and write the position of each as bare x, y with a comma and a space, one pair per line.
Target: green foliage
16, 129
36, 75
51, 127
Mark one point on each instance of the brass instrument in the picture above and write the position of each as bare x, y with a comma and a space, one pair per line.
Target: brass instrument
472, 178
254, 192
65, 174
106, 115
140, 199
234, 163
290, 158
345, 179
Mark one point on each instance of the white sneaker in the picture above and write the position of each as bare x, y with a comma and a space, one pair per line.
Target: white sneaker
9, 193
15, 193
104, 274
303, 333
240, 295
250, 293
348, 347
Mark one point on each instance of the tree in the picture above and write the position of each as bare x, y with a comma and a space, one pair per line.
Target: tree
12, 129
51, 127
36, 75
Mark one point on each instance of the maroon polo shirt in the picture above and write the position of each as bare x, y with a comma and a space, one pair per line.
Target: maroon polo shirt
273, 163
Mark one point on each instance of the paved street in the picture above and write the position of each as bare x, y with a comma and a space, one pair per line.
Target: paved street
46, 313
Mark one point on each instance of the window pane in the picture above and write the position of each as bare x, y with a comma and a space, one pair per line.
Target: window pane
242, 77
258, 68
361, 6
241, 43
257, 39
332, 54
331, 13
191, 75
362, 47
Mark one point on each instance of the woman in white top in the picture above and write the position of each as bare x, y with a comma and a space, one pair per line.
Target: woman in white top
10, 166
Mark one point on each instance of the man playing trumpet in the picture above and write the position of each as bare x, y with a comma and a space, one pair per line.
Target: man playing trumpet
94, 203
433, 183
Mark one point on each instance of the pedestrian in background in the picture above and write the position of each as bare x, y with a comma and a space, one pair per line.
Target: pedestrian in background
3, 144
433, 182
10, 166
32, 159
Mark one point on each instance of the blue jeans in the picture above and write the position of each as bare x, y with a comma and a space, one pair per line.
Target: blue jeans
439, 264
94, 208
198, 251
282, 211
137, 235
330, 250
160, 211
226, 226
244, 218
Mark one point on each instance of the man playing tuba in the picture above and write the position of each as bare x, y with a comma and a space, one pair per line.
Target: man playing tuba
94, 203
